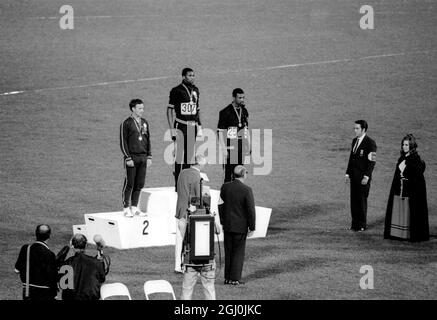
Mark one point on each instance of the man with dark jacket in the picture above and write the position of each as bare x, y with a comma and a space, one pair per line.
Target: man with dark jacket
88, 273
183, 116
359, 172
36, 265
233, 133
237, 216
137, 154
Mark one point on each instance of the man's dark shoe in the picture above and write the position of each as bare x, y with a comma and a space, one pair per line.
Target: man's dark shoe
227, 281
236, 282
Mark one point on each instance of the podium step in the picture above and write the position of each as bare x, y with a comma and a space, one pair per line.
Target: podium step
122, 232
158, 228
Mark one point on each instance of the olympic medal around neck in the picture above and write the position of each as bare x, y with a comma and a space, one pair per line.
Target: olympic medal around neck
138, 126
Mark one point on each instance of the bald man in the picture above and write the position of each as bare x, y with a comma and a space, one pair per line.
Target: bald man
237, 216
89, 272
36, 265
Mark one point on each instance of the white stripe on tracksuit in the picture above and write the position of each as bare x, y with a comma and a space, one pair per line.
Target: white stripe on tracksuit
127, 157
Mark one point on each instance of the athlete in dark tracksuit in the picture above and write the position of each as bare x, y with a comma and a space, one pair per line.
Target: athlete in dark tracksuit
136, 149
232, 129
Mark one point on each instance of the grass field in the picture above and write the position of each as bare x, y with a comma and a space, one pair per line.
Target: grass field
308, 71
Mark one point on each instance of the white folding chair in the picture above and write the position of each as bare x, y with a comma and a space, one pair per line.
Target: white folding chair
158, 286
114, 289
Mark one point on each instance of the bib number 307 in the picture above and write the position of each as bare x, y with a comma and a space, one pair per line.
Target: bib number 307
188, 108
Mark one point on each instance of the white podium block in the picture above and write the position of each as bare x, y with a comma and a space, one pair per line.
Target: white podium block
160, 201
158, 228
262, 217
122, 232
215, 195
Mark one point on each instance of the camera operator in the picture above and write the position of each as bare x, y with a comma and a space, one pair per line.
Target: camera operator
206, 272
89, 272
189, 187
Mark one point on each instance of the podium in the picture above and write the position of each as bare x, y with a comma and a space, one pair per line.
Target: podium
161, 201
158, 228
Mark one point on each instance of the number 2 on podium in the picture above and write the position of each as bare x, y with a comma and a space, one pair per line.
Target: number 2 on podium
146, 223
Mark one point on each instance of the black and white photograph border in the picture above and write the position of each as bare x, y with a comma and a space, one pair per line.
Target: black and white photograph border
309, 70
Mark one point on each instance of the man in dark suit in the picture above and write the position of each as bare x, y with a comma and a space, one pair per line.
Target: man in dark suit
36, 265
359, 172
237, 216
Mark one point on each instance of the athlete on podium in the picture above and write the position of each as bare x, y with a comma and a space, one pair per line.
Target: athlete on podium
136, 149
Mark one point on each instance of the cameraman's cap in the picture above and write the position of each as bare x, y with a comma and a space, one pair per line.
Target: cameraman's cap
239, 171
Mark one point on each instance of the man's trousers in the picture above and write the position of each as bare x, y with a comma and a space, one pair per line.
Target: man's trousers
207, 277
178, 248
134, 180
235, 247
185, 148
358, 197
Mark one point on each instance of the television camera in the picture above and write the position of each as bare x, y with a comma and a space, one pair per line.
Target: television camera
198, 244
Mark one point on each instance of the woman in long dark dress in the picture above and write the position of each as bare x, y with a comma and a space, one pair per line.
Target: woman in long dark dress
407, 209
